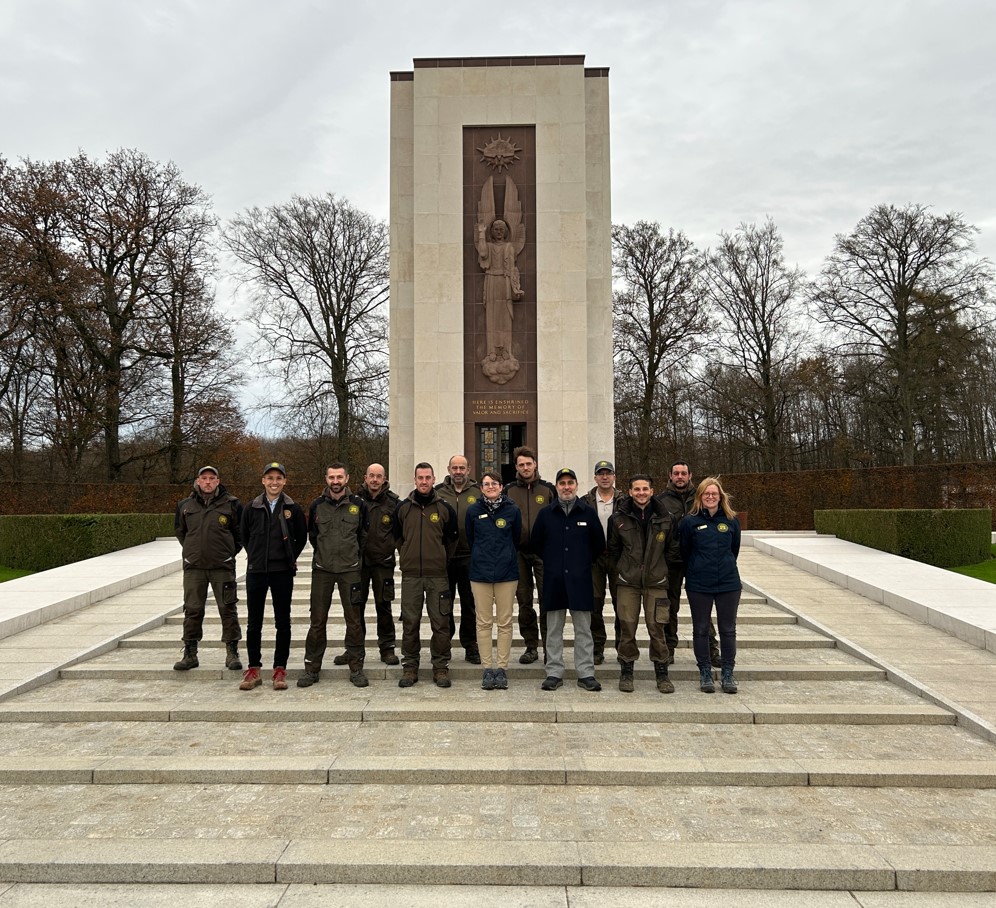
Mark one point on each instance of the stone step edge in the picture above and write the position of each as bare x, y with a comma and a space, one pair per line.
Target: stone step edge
712, 865
494, 770
608, 673
744, 641
721, 710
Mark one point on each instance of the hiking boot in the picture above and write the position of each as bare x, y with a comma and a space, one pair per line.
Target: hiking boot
501, 679
599, 658
341, 659
664, 684
388, 657
232, 659
358, 679
441, 677
280, 678
529, 656
706, 683
409, 676
626, 678
473, 655
250, 679
589, 684
189, 658
307, 679
488, 681
728, 682
551, 683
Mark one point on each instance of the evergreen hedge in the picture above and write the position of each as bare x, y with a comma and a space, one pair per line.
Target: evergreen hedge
38, 542
942, 537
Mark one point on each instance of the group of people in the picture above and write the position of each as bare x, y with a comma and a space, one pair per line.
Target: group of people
490, 544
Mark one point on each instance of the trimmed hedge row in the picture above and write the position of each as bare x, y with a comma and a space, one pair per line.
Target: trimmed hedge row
38, 542
944, 538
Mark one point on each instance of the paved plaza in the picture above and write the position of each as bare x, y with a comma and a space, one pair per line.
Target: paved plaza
857, 765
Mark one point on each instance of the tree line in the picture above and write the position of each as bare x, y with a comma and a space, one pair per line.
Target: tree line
117, 363
732, 357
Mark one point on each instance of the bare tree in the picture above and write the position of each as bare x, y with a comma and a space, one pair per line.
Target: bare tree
318, 272
761, 335
900, 272
658, 317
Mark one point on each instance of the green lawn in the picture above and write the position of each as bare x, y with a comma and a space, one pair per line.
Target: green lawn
986, 570
10, 574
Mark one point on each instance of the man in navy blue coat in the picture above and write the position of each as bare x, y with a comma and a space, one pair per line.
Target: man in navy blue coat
568, 537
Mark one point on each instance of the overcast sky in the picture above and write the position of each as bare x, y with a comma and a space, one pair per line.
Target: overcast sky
810, 112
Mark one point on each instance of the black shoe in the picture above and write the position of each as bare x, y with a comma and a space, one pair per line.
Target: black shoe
501, 679
626, 678
441, 677
409, 677
599, 658
728, 682
715, 658
706, 683
589, 684
551, 683
529, 657
232, 660
307, 679
189, 659
388, 657
358, 678
341, 659
473, 655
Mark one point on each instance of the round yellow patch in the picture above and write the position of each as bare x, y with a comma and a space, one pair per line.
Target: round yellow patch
386, 519
660, 537
540, 499
354, 509
471, 499
722, 527
434, 517
287, 515
223, 520
501, 523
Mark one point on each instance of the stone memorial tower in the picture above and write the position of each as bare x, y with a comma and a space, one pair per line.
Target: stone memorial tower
501, 264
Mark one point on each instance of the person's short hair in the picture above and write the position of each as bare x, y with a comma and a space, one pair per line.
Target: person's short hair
641, 477
337, 465
493, 474
523, 451
424, 466
679, 463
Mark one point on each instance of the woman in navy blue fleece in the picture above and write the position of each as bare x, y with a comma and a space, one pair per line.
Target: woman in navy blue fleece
710, 542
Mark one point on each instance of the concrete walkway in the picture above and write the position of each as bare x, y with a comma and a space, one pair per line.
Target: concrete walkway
858, 756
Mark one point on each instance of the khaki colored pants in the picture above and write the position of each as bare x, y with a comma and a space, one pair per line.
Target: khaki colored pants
493, 602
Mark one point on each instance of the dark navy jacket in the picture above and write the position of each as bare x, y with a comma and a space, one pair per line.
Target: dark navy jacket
493, 540
709, 548
568, 545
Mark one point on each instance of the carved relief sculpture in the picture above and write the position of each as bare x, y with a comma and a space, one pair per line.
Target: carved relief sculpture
499, 241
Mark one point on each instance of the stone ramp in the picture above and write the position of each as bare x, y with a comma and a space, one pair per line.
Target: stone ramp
820, 775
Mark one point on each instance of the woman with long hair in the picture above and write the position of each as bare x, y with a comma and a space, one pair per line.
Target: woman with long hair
710, 542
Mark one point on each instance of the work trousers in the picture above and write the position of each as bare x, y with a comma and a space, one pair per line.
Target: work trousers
458, 573
530, 567
726, 617
381, 578
280, 585
603, 576
323, 584
584, 651
493, 602
630, 601
434, 593
226, 595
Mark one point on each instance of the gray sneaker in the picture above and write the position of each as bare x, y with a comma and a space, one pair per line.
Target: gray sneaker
307, 679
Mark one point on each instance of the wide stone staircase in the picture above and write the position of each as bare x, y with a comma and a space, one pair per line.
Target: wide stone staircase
818, 775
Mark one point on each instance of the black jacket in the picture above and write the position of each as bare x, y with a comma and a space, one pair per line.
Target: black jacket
274, 541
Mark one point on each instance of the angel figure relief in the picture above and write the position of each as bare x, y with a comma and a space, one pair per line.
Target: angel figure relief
499, 241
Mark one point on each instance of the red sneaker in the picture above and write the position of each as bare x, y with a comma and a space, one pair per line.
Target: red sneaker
250, 679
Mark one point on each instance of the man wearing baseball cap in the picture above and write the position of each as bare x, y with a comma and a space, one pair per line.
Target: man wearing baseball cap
207, 525
274, 532
604, 497
568, 537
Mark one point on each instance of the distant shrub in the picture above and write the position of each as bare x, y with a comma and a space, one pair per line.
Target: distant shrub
38, 542
942, 537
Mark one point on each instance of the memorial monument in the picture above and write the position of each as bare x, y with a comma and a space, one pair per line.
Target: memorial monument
501, 264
